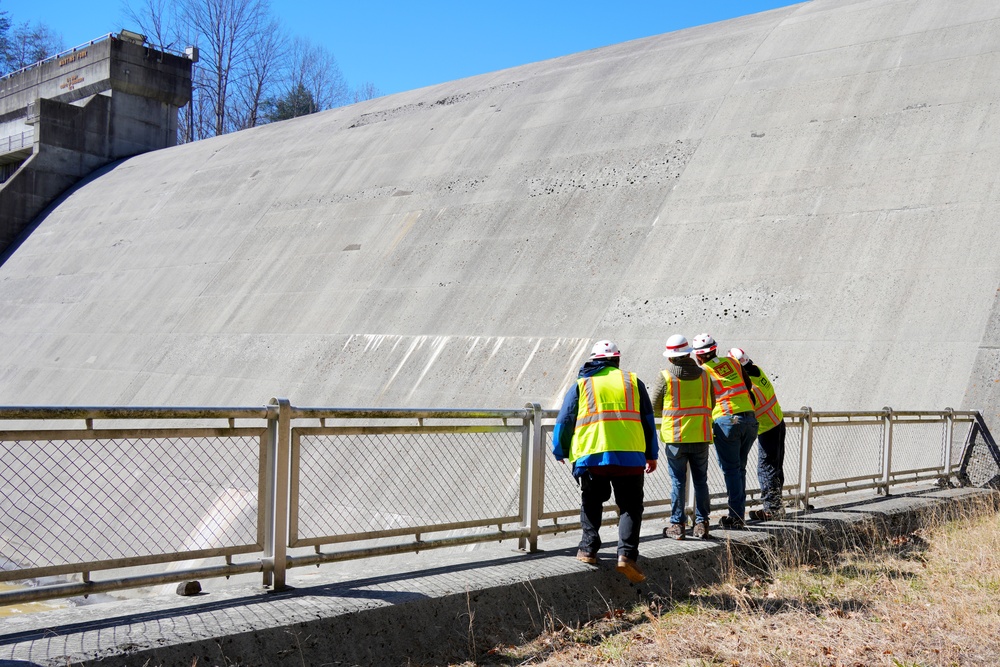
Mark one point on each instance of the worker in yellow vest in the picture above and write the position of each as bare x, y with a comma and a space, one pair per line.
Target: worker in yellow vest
734, 425
607, 429
684, 397
770, 439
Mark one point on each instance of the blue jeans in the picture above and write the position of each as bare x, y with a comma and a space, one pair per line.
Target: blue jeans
678, 459
734, 438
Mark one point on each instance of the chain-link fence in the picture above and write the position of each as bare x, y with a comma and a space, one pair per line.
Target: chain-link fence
287, 483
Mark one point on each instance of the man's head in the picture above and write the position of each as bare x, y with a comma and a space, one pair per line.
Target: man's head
677, 346
739, 355
605, 350
704, 347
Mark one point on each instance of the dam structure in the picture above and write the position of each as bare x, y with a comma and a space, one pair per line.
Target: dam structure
816, 184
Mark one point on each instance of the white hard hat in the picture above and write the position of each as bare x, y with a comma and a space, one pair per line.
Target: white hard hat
677, 346
739, 355
703, 343
603, 349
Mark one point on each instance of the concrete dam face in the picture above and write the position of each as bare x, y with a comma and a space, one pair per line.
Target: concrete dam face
817, 184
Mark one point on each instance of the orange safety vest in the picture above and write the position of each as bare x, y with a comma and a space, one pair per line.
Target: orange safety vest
731, 394
687, 409
767, 410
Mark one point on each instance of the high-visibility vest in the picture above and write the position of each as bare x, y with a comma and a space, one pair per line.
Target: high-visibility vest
687, 409
607, 419
767, 410
731, 395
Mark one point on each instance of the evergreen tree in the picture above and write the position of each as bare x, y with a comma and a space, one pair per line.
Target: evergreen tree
297, 102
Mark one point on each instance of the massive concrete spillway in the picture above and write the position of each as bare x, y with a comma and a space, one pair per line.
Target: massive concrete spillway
817, 184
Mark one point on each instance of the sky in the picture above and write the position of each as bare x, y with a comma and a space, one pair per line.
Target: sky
401, 46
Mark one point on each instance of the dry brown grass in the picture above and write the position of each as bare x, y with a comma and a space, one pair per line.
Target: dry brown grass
929, 598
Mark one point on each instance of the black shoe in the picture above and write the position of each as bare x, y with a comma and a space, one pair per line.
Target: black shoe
760, 515
584, 557
732, 523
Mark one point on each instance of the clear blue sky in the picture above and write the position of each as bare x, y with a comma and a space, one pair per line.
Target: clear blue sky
401, 45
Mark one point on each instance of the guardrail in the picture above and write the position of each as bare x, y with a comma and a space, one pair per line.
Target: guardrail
160, 495
17, 142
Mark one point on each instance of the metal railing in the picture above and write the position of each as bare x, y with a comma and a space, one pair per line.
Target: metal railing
160, 495
57, 56
17, 142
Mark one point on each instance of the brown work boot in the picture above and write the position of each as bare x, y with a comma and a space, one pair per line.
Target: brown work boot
588, 558
701, 530
674, 531
628, 567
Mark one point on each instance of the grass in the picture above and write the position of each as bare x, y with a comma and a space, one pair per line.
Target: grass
931, 597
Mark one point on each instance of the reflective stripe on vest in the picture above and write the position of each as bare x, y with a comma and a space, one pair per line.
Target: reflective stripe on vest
607, 418
687, 409
768, 411
731, 395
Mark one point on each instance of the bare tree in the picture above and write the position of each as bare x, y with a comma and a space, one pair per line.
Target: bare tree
261, 75
28, 43
156, 19
226, 30
314, 68
366, 91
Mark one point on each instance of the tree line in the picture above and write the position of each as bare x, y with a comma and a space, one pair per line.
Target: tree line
250, 70
22, 44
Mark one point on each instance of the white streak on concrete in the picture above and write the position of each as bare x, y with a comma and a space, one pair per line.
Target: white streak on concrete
575, 361
417, 342
210, 531
496, 348
350, 338
439, 344
530, 357
474, 343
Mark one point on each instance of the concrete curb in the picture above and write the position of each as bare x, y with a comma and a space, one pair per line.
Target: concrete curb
451, 613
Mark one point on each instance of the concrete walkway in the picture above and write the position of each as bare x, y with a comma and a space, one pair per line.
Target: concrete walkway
430, 608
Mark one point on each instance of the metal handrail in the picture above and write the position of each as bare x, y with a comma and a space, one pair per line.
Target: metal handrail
280, 425
64, 52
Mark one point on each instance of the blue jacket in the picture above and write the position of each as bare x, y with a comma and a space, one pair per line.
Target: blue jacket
562, 436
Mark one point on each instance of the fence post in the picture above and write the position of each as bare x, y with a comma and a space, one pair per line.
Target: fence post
276, 493
886, 449
805, 457
534, 481
949, 438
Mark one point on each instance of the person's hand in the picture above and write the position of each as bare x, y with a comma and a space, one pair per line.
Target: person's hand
650, 465
562, 461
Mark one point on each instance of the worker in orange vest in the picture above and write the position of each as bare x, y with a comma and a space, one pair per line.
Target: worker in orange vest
734, 425
770, 439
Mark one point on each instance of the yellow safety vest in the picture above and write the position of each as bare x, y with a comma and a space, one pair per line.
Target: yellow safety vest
687, 409
731, 395
767, 410
607, 419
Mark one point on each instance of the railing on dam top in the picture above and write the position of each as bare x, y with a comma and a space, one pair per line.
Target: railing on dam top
153, 496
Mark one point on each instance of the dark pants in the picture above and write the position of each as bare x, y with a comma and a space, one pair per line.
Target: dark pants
595, 491
770, 466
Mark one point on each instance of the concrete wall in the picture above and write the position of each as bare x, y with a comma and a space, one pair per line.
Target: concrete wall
815, 184
100, 103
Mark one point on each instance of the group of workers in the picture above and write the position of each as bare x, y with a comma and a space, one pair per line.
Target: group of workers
607, 429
